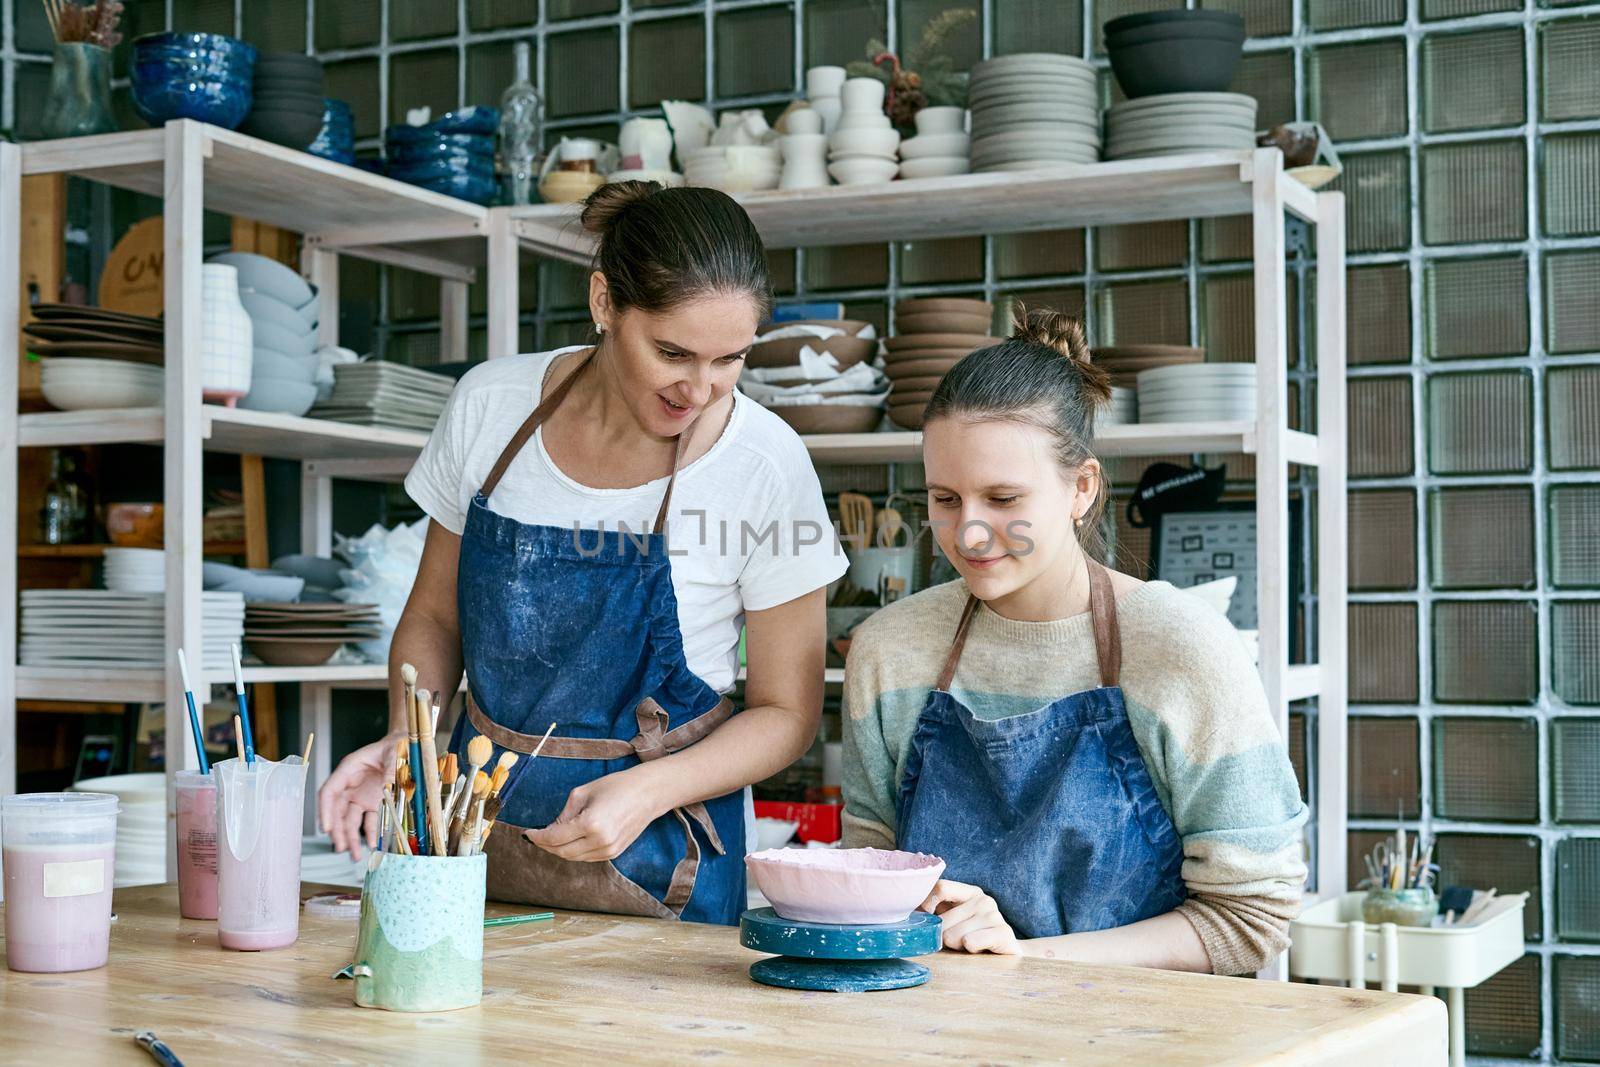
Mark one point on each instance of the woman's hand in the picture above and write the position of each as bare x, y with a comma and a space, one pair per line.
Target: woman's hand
602, 818
972, 920
348, 802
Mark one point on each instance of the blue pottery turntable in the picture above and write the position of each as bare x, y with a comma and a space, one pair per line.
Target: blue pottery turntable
838, 959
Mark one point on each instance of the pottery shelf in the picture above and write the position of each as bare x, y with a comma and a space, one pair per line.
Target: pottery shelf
1144, 439
95, 551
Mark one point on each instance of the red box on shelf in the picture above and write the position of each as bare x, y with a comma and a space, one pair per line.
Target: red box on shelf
818, 822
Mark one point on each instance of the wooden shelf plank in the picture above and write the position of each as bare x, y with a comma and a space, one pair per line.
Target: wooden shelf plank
1302, 681
287, 188
212, 548
1133, 439
1202, 185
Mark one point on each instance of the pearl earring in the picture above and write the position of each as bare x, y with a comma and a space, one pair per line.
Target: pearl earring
1079, 522
599, 327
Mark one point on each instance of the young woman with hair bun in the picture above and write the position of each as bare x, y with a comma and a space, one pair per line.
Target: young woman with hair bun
552, 481
1092, 755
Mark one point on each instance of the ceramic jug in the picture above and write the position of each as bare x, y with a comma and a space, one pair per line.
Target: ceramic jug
646, 144
227, 339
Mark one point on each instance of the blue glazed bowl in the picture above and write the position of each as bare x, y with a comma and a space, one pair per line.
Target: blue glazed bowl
464, 187
441, 166
402, 134
409, 154
467, 120
200, 76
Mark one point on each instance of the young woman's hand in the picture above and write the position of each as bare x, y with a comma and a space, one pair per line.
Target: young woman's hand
602, 818
972, 920
348, 802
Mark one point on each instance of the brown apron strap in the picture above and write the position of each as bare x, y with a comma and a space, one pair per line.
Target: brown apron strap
947, 675
660, 525
1107, 634
548, 403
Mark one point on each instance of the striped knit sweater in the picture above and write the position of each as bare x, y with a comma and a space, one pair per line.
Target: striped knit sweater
1198, 713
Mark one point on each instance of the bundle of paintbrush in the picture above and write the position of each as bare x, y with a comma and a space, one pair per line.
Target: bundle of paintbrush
1390, 866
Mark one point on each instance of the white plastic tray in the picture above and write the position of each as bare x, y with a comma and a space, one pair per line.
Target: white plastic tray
1458, 957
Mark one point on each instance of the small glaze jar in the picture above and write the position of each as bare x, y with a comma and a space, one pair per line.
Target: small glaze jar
1403, 907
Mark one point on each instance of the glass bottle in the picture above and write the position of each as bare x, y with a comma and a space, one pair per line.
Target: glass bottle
64, 513
517, 156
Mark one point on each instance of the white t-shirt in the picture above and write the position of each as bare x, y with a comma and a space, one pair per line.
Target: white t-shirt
749, 528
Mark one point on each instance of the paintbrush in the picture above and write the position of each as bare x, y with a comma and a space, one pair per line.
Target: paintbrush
194, 716
460, 828
238, 738
479, 751
305, 757
244, 705
457, 787
518, 920
438, 833
502, 772
414, 757
469, 835
491, 812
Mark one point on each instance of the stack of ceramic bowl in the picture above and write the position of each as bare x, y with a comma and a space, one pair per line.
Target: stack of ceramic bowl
863, 148
735, 168
931, 336
141, 842
86, 384
1033, 109
1123, 409
453, 154
304, 635
1180, 123
1198, 392
135, 570
286, 106
1154, 53
201, 76
95, 358
337, 138
1124, 362
940, 147
843, 394
283, 321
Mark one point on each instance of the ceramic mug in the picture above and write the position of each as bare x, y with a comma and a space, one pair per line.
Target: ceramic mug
580, 154
824, 81
862, 94
646, 144
937, 120
420, 942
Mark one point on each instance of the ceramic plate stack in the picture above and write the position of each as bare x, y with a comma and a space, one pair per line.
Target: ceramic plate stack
141, 856
98, 628
1032, 110
1124, 362
135, 570
71, 330
1176, 124
931, 336
1198, 392
304, 635
776, 377
377, 393
1124, 408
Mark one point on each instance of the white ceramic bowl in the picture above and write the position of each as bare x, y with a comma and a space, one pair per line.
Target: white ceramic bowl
928, 145
934, 167
267, 276
277, 394
863, 171
865, 141
89, 384
937, 120
847, 886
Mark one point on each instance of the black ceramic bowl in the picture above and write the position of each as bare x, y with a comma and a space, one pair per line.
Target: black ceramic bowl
280, 98
1150, 18
268, 83
293, 129
1157, 31
287, 62
1180, 64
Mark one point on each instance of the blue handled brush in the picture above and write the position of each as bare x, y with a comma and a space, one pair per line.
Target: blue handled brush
194, 716
419, 803
244, 706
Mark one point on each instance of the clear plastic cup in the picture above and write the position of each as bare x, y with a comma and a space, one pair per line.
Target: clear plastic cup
59, 851
260, 807
197, 844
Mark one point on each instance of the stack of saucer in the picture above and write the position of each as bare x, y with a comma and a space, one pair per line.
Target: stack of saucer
1124, 362
932, 335
135, 570
1180, 123
302, 635
1198, 392
1123, 409
1033, 109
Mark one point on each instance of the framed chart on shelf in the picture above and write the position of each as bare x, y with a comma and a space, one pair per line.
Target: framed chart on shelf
1189, 548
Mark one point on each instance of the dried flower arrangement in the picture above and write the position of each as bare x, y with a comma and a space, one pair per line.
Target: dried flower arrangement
925, 77
74, 23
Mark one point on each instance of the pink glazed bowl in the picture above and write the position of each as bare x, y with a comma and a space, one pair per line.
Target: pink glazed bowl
844, 886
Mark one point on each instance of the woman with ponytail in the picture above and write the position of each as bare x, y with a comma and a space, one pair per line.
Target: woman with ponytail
1093, 756
553, 482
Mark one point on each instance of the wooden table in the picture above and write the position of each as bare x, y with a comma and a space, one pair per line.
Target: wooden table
606, 989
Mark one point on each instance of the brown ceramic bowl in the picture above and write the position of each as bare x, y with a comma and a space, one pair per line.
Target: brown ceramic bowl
901, 397
134, 525
786, 352
293, 651
906, 386
830, 418
967, 341
907, 416
941, 322
919, 368
943, 304
910, 355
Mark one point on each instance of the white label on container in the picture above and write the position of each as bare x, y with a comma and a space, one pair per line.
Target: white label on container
80, 878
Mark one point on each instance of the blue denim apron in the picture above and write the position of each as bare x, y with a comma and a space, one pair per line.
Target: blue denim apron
1051, 812
582, 630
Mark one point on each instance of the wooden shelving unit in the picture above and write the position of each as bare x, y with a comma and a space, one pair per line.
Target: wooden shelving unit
346, 211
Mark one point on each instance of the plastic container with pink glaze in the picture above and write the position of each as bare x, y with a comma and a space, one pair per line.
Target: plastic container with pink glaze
844, 886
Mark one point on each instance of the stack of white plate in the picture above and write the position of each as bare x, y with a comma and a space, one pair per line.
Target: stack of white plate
1198, 392
141, 825
377, 393
1124, 407
1032, 110
135, 570
95, 628
740, 168
78, 383
1175, 124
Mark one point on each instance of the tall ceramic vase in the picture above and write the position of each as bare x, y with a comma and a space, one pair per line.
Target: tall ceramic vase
227, 339
80, 92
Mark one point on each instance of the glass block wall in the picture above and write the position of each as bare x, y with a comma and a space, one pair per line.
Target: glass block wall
1470, 134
